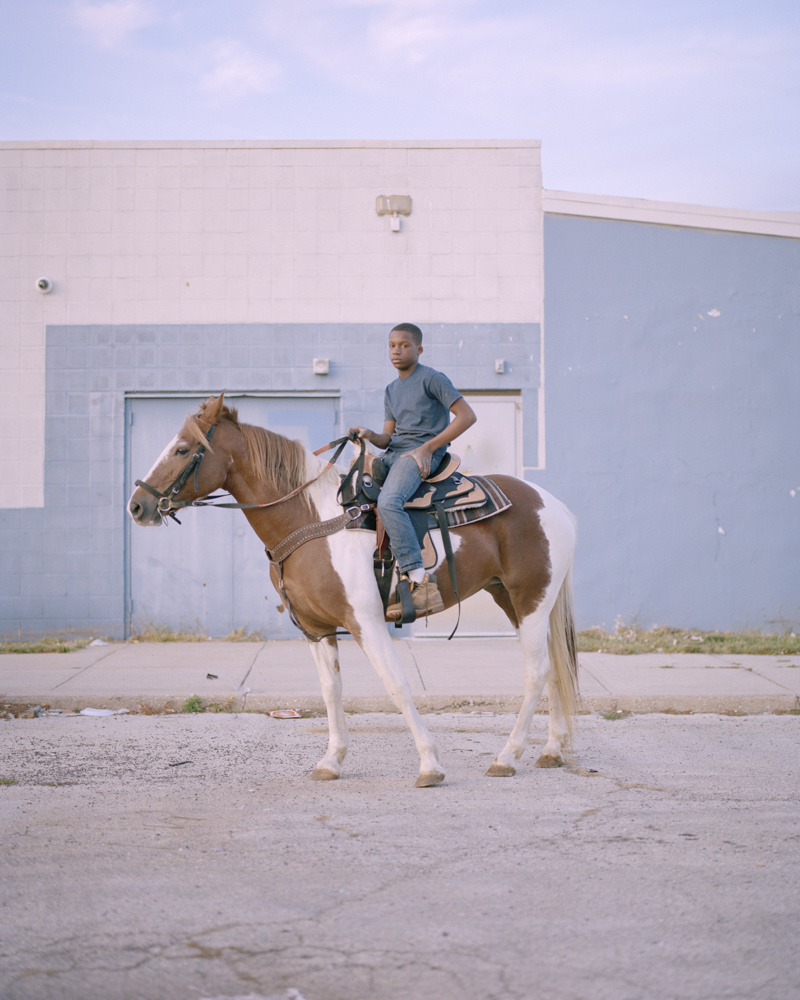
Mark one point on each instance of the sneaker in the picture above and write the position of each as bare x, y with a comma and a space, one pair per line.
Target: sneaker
425, 596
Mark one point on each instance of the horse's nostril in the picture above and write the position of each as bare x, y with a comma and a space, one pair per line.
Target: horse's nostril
135, 509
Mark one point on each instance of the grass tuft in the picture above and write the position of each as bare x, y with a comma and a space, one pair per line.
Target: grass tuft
157, 632
47, 644
631, 639
215, 706
193, 704
242, 635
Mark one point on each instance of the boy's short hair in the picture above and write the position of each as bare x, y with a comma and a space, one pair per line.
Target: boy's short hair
415, 331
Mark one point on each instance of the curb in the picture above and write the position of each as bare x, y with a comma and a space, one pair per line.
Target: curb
752, 704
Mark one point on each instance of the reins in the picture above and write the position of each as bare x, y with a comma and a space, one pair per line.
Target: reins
347, 494
167, 505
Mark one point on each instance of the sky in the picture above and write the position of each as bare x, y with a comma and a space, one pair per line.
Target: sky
695, 102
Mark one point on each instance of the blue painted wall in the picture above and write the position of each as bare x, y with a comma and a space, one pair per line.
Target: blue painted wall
62, 567
672, 368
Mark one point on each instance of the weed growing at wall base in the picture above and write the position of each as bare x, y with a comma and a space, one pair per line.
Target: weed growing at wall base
625, 639
157, 632
47, 644
631, 639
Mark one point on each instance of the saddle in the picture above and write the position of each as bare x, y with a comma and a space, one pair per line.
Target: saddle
446, 499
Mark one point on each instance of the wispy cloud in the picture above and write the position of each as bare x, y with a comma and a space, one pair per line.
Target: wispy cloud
523, 58
369, 44
235, 71
108, 24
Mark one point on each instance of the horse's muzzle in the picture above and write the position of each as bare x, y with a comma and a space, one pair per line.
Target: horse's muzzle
144, 510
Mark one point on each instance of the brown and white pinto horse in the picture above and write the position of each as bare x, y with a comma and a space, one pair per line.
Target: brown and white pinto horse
522, 557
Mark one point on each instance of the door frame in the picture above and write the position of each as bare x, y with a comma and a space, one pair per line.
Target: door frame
516, 395
131, 396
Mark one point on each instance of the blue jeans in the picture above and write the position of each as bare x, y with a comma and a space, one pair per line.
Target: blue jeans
401, 482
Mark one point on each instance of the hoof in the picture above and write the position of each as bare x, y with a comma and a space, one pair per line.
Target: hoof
323, 774
501, 771
548, 760
429, 779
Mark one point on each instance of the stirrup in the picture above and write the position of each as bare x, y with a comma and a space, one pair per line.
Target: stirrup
404, 612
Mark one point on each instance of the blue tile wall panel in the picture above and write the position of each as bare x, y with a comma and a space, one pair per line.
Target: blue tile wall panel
63, 567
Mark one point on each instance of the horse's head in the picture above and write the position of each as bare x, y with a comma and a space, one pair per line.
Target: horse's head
188, 468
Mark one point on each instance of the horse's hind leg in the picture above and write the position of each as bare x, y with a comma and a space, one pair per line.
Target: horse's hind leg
557, 727
533, 639
326, 658
502, 599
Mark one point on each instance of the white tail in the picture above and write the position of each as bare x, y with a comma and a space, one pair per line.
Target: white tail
564, 650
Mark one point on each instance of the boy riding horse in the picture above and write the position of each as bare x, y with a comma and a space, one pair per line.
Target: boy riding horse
417, 426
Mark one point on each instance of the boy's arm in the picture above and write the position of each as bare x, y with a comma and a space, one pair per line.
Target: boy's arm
463, 417
379, 440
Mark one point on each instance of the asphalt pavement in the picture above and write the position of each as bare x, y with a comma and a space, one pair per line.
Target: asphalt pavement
173, 856
458, 675
189, 857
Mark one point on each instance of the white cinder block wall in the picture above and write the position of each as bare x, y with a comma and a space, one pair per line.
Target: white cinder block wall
196, 232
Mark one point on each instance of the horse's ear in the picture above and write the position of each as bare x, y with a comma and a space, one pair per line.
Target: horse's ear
212, 409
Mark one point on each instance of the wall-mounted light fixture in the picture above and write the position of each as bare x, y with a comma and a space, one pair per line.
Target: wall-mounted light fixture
45, 285
320, 366
394, 205
500, 366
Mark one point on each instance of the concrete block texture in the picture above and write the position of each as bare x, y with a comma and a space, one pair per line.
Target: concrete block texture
192, 232
87, 479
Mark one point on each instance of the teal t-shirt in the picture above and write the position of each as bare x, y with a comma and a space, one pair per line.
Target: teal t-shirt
419, 405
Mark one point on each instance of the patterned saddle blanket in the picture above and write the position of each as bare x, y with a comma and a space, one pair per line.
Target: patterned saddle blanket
458, 499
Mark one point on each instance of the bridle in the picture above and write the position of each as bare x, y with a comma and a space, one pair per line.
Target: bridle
168, 504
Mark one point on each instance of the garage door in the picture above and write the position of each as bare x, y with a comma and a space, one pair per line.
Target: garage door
210, 572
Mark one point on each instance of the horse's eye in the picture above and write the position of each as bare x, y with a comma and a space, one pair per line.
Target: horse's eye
182, 451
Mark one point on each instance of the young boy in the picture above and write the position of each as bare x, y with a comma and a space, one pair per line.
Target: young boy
416, 433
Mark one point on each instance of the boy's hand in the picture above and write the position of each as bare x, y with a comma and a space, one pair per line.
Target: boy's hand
381, 440
422, 456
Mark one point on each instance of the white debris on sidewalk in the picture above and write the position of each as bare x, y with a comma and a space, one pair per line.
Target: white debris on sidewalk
104, 711
290, 994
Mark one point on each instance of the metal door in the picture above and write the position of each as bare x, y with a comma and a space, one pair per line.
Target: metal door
210, 572
493, 444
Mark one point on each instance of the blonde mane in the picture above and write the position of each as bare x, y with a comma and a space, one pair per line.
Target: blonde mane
281, 465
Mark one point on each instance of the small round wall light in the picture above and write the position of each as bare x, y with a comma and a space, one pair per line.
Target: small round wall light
45, 285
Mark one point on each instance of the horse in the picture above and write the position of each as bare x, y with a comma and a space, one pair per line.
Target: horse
522, 556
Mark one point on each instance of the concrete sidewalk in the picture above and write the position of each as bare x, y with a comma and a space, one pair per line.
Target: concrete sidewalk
462, 675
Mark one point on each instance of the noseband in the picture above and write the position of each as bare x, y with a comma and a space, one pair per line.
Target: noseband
165, 498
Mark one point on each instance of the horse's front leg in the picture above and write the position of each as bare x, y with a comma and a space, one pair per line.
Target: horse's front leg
377, 645
326, 658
